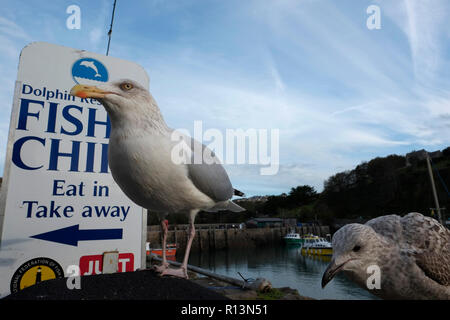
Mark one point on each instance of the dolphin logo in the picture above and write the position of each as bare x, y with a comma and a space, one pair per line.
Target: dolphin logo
89, 71
90, 64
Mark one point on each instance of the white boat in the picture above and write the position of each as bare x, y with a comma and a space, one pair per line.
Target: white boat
293, 238
316, 246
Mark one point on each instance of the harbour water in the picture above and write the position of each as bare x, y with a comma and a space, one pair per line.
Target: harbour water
283, 266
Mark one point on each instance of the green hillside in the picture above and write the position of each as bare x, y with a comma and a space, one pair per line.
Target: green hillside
381, 186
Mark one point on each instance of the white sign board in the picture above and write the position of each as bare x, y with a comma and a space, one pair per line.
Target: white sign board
59, 205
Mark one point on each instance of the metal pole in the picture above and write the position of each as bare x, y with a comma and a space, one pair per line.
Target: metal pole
233, 281
144, 239
110, 27
436, 201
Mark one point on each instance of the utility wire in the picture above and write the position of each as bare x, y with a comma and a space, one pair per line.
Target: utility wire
110, 27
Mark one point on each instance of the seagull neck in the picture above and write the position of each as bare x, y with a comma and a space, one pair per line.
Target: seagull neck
136, 126
151, 119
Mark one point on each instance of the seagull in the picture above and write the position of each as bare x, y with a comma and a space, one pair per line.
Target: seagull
146, 161
411, 252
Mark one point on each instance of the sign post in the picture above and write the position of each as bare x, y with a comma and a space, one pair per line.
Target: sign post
59, 205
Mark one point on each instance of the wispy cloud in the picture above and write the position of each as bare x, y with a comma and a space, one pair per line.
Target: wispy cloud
10, 33
95, 35
425, 26
11, 29
275, 74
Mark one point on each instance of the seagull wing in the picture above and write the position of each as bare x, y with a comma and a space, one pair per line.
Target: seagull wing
208, 174
435, 266
432, 241
421, 236
388, 226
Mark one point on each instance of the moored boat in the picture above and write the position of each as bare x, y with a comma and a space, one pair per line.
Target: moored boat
171, 250
314, 245
293, 238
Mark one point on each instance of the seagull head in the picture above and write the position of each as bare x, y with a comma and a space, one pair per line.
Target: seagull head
121, 99
355, 247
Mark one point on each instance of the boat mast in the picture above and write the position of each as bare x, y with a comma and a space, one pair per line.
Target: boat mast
436, 200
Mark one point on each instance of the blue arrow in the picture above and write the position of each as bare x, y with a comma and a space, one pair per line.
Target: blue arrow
71, 235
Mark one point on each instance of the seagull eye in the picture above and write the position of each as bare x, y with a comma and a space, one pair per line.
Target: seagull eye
356, 248
126, 86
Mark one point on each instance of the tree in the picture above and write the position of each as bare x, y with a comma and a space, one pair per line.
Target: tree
301, 195
446, 152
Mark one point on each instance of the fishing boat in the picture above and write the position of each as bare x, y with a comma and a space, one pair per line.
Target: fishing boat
314, 245
293, 238
171, 250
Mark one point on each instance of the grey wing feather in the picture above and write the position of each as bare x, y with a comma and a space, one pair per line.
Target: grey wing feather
209, 176
424, 236
388, 226
432, 243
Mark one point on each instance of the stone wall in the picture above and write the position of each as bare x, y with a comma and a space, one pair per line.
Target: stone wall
210, 239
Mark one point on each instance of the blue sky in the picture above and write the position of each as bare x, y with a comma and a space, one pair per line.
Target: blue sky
338, 92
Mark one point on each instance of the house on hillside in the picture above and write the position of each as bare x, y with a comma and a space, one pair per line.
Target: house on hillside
416, 156
264, 222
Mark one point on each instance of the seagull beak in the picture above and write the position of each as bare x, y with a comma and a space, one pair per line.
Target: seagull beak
331, 271
84, 91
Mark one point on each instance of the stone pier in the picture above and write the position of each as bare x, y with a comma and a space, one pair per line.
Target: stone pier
211, 237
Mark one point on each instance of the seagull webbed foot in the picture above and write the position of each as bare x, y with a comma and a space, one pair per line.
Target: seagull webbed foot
179, 273
161, 268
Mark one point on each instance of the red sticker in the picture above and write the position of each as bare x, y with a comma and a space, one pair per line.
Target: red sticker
94, 264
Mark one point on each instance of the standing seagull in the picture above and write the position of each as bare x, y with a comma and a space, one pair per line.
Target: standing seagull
412, 255
145, 161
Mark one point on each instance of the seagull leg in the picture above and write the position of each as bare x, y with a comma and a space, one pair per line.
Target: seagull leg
182, 272
164, 265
